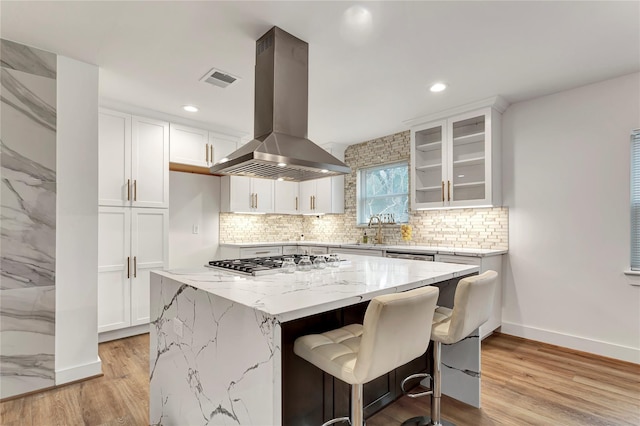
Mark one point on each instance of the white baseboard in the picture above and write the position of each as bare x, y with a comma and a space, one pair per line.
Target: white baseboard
78, 372
123, 332
597, 347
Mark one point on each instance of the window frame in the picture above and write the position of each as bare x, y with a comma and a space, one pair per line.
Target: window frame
360, 189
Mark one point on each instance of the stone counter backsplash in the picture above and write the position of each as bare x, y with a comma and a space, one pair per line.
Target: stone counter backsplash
486, 228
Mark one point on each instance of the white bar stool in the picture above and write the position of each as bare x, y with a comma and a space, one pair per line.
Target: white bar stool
395, 331
472, 305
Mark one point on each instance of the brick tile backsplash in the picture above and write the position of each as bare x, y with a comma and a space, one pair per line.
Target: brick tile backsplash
469, 227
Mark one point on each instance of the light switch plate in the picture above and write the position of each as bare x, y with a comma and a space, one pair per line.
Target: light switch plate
196, 229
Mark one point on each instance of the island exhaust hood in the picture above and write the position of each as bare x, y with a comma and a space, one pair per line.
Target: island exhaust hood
280, 148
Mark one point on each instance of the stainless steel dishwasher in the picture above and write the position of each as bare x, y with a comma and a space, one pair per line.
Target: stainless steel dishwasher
411, 256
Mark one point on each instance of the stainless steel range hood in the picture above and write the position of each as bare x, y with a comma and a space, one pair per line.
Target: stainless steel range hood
280, 148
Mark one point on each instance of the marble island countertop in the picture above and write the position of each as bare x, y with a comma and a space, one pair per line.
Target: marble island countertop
292, 296
478, 252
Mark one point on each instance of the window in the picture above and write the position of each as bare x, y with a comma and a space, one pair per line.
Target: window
635, 200
384, 189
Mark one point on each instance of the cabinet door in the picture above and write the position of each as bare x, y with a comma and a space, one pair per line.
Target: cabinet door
114, 268
149, 249
323, 196
263, 190
240, 195
468, 162
150, 162
189, 145
307, 192
222, 146
286, 197
428, 165
114, 167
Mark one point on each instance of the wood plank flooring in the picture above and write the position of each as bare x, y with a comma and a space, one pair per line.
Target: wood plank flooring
523, 383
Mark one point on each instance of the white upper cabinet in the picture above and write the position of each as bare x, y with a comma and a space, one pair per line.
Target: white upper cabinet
199, 147
240, 194
222, 145
320, 196
455, 161
286, 197
190, 146
114, 168
133, 161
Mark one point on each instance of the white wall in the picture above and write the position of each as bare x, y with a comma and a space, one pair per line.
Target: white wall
77, 222
566, 182
194, 200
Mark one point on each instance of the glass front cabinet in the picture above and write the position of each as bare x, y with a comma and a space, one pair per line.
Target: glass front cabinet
455, 161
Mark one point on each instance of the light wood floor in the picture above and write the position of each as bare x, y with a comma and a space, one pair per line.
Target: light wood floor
523, 383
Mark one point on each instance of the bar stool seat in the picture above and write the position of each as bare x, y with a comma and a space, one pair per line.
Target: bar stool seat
396, 329
472, 305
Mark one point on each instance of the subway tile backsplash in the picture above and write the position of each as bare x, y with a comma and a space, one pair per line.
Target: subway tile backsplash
469, 228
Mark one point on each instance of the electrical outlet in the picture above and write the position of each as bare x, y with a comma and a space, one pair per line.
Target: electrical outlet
196, 229
177, 327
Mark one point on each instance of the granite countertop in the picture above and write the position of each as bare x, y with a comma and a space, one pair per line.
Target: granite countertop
291, 296
397, 248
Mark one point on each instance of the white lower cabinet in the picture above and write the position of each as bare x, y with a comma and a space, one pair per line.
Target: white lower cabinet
362, 252
131, 243
486, 263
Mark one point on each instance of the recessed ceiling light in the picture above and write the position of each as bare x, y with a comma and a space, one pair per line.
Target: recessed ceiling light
438, 87
324, 171
282, 164
190, 108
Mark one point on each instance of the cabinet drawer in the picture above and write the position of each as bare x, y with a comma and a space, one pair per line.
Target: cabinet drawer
260, 251
313, 250
465, 260
288, 250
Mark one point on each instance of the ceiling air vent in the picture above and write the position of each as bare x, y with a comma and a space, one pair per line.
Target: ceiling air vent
219, 78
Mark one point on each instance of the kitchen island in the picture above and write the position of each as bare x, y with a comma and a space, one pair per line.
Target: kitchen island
219, 341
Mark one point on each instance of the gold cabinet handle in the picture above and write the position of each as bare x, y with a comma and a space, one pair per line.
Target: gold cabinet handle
296, 203
206, 152
256, 200
449, 190
128, 267
128, 189
135, 190
314, 202
251, 204
443, 191
211, 156
311, 202
135, 267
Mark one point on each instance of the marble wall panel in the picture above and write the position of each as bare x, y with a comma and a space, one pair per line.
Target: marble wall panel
27, 218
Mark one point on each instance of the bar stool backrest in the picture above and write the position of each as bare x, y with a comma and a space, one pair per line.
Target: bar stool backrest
396, 330
472, 305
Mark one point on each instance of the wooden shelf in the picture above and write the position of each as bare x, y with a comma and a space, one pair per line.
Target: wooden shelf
431, 146
470, 162
472, 138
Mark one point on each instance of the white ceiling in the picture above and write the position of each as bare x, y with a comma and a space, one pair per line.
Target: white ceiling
362, 84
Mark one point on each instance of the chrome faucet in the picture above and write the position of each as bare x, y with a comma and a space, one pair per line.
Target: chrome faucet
379, 231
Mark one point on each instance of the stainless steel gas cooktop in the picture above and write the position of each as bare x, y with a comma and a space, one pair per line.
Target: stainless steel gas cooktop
258, 265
